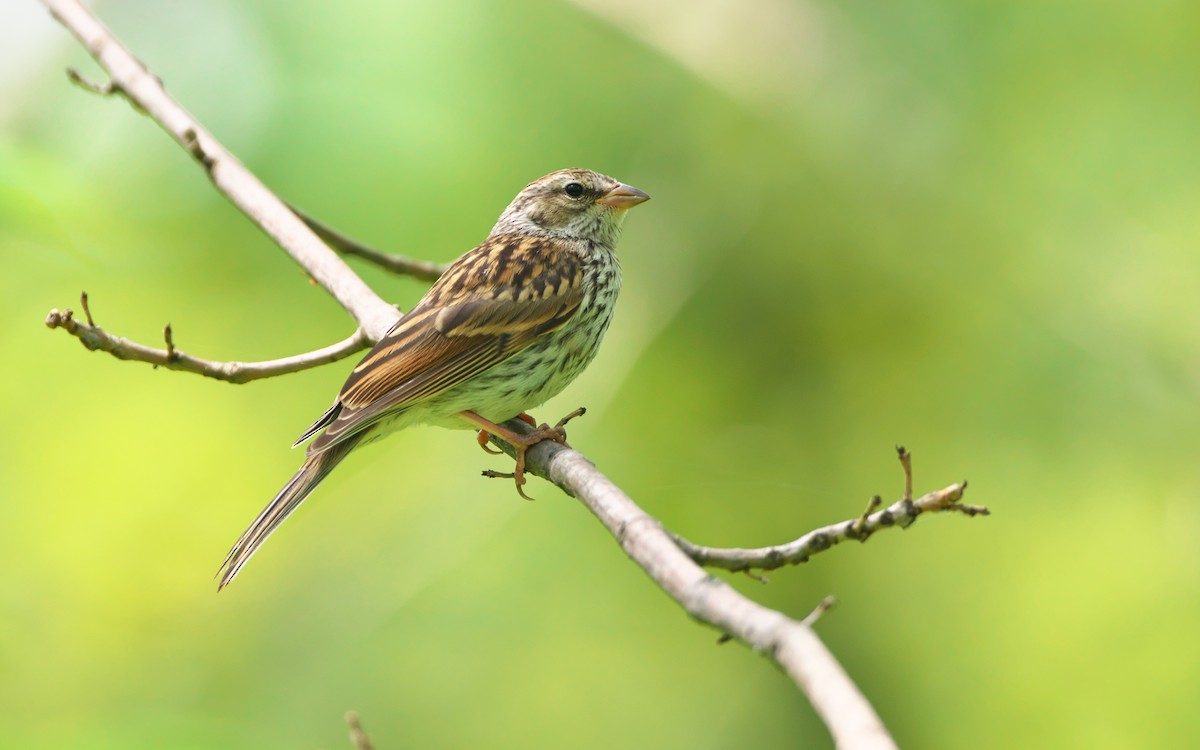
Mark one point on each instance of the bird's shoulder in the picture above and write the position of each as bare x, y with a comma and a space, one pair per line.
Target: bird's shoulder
512, 267
510, 283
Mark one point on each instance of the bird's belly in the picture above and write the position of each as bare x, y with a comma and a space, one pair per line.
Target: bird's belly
524, 381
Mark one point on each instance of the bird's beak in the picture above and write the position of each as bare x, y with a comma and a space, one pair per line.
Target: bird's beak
623, 196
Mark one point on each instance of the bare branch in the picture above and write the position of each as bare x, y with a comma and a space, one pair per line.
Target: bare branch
130, 78
793, 645
419, 269
96, 338
902, 513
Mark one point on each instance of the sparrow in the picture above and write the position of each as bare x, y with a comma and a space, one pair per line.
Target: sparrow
508, 326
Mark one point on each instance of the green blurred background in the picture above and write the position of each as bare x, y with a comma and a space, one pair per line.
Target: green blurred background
967, 227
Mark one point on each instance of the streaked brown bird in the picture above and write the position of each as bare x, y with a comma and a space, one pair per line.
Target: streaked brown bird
507, 327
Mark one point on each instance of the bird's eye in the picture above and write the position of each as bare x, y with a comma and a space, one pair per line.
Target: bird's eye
573, 189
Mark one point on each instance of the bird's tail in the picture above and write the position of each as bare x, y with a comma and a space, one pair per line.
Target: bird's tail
315, 468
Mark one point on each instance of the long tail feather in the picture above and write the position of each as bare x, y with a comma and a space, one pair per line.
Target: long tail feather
315, 468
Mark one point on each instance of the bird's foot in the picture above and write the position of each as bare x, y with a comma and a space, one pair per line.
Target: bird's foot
521, 443
484, 436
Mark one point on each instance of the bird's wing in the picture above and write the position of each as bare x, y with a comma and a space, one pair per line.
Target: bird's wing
491, 304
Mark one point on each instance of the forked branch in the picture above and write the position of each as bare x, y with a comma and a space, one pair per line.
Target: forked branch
130, 79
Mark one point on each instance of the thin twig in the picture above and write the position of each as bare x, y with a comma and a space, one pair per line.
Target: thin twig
357, 736
826, 604
418, 269
902, 513
87, 311
906, 463
97, 339
872, 506
102, 89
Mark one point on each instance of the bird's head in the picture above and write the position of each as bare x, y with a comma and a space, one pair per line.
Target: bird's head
572, 204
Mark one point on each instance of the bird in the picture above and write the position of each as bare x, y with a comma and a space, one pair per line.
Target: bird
507, 326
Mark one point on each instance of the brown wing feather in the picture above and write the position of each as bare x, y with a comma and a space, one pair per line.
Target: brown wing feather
491, 304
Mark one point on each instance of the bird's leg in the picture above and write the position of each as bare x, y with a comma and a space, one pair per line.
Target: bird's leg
484, 434
522, 443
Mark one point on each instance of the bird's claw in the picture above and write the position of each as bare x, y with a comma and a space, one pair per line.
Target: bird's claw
518, 476
485, 436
